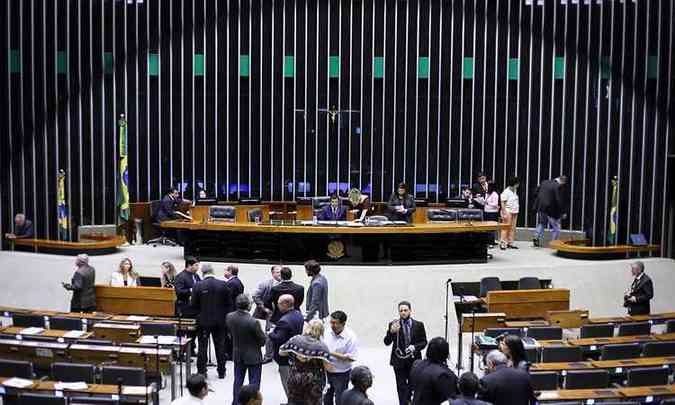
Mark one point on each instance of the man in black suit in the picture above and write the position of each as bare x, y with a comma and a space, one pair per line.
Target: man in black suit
169, 205
550, 208
290, 324
286, 286
247, 339
432, 381
23, 228
641, 291
236, 288
185, 281
82, 286
506, 385
333, 211
211, 300
408, 338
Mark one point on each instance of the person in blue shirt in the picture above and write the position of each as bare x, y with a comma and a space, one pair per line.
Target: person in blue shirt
334, 211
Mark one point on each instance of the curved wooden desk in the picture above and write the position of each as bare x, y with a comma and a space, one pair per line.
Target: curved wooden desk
577, 249
339, 244
100, 247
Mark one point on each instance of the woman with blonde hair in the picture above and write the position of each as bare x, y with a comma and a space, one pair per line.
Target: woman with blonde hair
359, 204
309, 358
168, 277
124, 276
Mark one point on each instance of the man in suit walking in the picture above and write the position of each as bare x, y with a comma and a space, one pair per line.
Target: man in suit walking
211, 300
550, 208
286, 286
408, 338
334, 211
641, 291
290, 324
247, 339
82, 286
317, 294
505, 385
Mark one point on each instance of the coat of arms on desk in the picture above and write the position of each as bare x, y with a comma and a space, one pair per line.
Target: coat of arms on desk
336, 249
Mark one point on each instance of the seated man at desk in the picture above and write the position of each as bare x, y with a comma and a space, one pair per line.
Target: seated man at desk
23, 228
334, 211
401, 204
168, 207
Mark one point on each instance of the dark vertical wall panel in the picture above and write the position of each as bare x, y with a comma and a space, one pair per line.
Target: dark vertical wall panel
529, 88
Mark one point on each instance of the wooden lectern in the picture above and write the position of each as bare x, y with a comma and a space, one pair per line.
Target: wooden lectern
136, 300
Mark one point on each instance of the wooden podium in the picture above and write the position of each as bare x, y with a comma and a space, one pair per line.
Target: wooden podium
528, 304
136, 300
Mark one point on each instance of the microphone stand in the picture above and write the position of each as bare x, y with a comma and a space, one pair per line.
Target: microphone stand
473, 331
180, 353
119, 390
159, 375
145, 366
460, 335
447, 295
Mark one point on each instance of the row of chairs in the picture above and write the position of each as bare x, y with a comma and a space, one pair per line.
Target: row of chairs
589, 379
65, 323
570, 354
488, 284
74, 372
31, 398
587, 331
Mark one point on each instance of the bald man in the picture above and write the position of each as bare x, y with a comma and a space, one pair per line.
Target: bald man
290, 324
23, 228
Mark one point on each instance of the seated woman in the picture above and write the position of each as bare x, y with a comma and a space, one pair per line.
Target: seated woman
124, 276
168, 277
309, 358
359, 204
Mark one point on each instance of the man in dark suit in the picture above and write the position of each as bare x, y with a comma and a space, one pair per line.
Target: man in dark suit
185, 281
23, 228
550, 208
286, 286
211, 300
290, 324
247, 339
432, 381
506, 385
408, 338
641, 291
236, 288
334, 211
169, 205
362, 379
82, 286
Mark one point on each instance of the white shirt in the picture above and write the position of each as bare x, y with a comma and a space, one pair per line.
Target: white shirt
117, 280
492, 203
345, 343
188, 400
510, 201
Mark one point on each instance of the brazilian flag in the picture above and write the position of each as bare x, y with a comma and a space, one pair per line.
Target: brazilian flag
123, 195
613, 218
61, 207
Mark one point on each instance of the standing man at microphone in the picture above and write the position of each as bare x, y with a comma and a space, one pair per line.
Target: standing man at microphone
408, 338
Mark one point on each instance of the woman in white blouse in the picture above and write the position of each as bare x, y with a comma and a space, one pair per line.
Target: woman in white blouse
124, 276
510, 208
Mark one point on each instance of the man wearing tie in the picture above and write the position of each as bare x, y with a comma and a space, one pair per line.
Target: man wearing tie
641, 291
409, 338
334, 211
185, 281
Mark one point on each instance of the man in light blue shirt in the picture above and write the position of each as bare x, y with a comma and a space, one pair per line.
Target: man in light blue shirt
343, 346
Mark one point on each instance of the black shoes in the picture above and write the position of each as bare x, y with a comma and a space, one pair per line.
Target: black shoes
535, 242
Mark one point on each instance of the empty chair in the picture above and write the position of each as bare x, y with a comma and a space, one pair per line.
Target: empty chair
638, 377
27, 321
65, 323
127, 375
658, 349
158, 329
545, 333
558, 354
16, 368
603, 330
584, 379
670, 326
73, 372
494, 332
40, 399
488, 284
255, 215
544, 381
529, 283
532, 355
635, 329
620, 351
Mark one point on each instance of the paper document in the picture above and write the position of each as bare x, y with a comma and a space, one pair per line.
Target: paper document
163, 340
74, 334
16, 382
32, 331
136, 390
73, 386
137, 318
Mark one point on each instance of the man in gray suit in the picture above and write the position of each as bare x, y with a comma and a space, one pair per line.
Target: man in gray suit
362, 379
317, 294
82, 286
247, 339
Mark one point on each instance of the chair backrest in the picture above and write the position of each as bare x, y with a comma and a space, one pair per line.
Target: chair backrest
226, 213
603, 330
658, 349
154, 208
40, 399
488, 284
96, 342
620, 351
494, 332
638, 377
441, 215
585, 379
27, 321
544, 380
635, 329
255, 213
557, 354
158, 329
532, 354
16, 368
319, 202
65, 323
529, 283
469, 214
670, 326
545, 332
73, 372
128, 375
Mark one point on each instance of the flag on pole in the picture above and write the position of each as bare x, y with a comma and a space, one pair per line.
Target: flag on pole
123, 195
613, 219
62, 209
